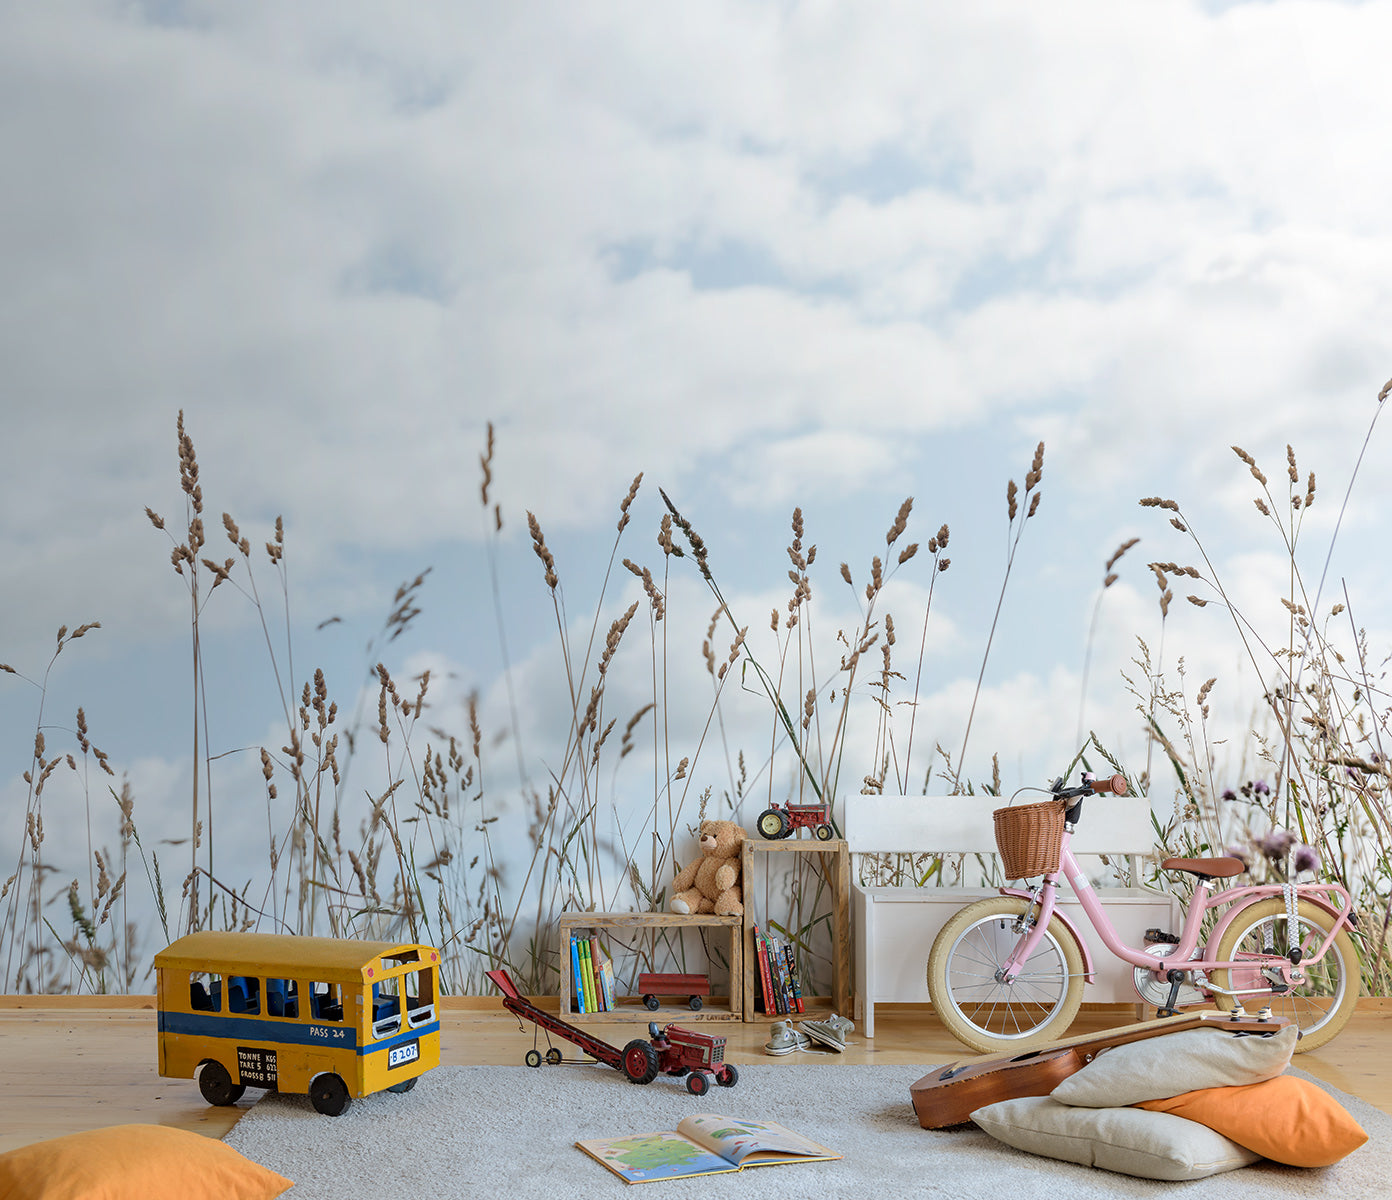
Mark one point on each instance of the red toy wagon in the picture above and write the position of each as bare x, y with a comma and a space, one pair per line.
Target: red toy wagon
693, 987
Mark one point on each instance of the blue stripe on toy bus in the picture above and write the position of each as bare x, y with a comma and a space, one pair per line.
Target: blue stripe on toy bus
406, 1035
251, 1029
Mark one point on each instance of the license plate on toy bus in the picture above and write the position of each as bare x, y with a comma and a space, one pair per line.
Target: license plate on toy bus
399, 1056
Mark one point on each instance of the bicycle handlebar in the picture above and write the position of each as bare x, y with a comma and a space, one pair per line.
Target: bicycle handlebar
1116, 784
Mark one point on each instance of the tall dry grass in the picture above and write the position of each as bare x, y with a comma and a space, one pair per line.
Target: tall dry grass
430, 845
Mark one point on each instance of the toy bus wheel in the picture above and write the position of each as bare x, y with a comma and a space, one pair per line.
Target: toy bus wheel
824, 833
217, 1086
329, 1095
404, 1086
727, 1076
533, 1058
651, 1002
553, 1056
698, 1083
771, 825
695, 1003
640, 1061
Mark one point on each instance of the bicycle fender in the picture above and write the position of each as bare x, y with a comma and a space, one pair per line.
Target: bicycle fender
1340, 915
1062, 918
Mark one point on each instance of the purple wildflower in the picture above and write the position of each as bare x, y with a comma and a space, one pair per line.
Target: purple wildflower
1276, 844
1229, 795
1306, 859
1239, 852
1261, 789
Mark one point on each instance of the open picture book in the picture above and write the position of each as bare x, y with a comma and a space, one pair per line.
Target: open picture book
703, 1144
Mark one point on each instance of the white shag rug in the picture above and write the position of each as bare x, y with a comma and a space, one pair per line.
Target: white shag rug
483, 1131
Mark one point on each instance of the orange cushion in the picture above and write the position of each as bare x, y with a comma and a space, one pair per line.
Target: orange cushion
134, 1162
1286, 1119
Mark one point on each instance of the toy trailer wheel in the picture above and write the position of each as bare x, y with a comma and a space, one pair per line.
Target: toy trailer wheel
217, 1086
640, 1062
553, 1056
329, 1095
695, 1003
772, 825
651, 1002
404, 1086
727, 1076
533, 1058
698, 1083
824, 833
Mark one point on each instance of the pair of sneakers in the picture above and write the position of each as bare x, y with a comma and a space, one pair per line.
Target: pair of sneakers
814, 1035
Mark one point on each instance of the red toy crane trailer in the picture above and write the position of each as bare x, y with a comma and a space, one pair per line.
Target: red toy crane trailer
670, 1051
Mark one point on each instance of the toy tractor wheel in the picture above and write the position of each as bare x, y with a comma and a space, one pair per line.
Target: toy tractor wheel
329, 1095
772, 825
640, 1061
553, 1056
694, 1003
533, 1058
651, 1002
698, 1083
824, 833
217, 1086
727, 1076
404, 1086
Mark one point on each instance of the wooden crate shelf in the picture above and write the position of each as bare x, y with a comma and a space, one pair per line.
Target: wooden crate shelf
836, 867
713, 1011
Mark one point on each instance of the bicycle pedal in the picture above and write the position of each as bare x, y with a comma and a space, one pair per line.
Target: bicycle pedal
1160, 937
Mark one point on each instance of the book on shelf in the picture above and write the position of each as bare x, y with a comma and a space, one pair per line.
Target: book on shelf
575, 974
704, 1144
776, 970
765, 981
604, 974
794, 980
587, 975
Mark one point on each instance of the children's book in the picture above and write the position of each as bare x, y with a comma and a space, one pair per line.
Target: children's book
704, 1144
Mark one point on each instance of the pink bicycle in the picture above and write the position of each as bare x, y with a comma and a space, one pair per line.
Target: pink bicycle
1008, 971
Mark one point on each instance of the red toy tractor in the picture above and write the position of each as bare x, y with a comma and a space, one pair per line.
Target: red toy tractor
779, 821
677, 1051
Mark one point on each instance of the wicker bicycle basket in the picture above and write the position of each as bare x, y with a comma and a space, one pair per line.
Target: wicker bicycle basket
1028, 838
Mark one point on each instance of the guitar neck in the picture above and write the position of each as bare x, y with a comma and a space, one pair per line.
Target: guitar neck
1222, 1021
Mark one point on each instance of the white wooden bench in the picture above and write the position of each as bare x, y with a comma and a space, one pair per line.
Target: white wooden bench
894, 927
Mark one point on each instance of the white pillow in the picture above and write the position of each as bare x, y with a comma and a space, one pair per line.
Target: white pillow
1161, 1067
1129, 1140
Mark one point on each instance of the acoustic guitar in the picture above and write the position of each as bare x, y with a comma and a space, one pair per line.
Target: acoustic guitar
949, 1095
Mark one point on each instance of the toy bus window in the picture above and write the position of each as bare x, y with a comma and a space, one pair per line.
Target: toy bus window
282, 998
205, 992
243, 994
325, 1002
420, 997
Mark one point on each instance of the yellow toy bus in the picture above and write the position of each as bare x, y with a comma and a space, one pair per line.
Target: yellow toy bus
329, 1017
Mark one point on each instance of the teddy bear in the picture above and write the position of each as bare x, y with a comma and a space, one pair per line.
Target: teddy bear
712, 882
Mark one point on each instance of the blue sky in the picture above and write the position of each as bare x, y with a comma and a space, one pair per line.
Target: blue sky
826, 255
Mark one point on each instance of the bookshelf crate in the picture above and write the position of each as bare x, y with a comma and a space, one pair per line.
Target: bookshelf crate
836, 868
681, 1014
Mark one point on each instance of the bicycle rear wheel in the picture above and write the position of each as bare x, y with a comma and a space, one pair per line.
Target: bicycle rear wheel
1324, 1003
985, 1014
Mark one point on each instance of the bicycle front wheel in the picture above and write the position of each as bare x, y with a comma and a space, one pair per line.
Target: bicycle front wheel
985, 1014
1322, 1005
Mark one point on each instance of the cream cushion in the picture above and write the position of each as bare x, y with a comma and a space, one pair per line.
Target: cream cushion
1160, 1067
1132, 1141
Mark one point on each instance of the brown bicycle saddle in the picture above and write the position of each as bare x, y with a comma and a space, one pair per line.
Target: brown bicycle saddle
1206, 868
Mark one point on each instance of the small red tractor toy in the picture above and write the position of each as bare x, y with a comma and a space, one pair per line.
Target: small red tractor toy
675, 1051
779, 821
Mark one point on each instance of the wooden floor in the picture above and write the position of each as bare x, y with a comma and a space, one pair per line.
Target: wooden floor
71, 1064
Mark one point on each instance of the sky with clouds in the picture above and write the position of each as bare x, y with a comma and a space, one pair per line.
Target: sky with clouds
768, 254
